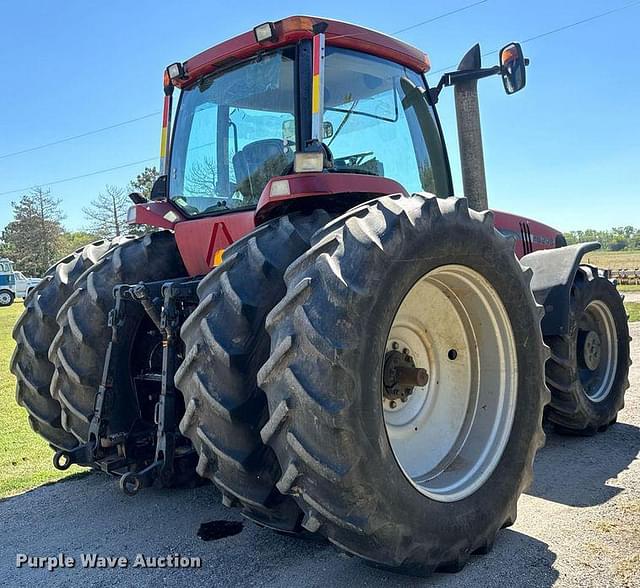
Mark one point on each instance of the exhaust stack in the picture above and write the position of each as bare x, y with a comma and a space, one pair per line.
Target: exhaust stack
474, 181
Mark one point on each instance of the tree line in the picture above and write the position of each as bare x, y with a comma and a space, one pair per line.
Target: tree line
615, 239
36, 237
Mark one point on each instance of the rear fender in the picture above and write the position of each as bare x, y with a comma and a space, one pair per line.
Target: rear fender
553, 273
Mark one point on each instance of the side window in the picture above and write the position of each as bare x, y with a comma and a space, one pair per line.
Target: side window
200, 158
380, 122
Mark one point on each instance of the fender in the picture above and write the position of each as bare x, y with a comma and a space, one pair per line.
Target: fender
553, 273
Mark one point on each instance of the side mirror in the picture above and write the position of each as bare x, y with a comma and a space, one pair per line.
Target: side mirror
512, 68
159, 188
137, 198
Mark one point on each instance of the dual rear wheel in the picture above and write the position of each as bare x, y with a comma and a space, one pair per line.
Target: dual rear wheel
395, 412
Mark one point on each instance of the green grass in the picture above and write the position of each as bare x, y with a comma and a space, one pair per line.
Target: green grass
25, 458
633, 310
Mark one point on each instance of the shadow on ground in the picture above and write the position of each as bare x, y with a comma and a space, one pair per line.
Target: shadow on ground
574, 470
89, 515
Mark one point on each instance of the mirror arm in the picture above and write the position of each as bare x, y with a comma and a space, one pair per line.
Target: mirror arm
457, 77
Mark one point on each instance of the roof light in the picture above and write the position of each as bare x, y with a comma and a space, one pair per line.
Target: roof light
175, 71
309, 162
265, 32
296, 23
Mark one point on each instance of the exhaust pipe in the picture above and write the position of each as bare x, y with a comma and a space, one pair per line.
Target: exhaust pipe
474, 181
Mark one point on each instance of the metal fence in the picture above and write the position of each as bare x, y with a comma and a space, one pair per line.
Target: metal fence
625, 276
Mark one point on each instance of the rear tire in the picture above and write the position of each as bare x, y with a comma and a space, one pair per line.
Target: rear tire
324, 382
225, 345
34, 332
78, 350
587, 390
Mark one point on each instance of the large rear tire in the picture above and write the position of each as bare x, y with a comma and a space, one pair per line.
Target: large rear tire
225, 345
589, 366
79, 347
345, 451
34, 332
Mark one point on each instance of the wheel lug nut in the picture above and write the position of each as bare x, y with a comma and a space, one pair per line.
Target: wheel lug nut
405, 351
393, 404
395, 345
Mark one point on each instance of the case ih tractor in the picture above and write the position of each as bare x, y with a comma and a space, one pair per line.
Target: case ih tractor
318, 325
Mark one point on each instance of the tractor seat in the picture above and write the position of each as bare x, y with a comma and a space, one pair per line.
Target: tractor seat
257, 163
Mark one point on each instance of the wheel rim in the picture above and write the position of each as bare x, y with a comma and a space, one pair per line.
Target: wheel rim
449, 435
597, 350
5, 299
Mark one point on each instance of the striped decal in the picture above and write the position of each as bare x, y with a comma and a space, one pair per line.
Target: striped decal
164, 135
317, 87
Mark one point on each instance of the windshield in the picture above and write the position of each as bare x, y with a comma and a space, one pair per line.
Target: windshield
377, 121
233, 134
236, 130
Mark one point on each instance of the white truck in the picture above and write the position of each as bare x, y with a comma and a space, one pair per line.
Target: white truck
14, 284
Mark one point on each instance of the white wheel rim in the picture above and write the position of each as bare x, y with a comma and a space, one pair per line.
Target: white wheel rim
5, 298
597, 383
450, 434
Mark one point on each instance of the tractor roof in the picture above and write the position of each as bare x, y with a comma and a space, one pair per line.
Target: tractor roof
294, 28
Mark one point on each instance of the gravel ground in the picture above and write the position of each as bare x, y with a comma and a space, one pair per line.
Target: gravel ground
579, 525
631, 296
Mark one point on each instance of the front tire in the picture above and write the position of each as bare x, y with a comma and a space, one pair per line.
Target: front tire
328, 389
589, 366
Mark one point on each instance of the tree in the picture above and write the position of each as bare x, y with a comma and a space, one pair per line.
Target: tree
32, 239
144, 181
107, 214
200, 179
71, 240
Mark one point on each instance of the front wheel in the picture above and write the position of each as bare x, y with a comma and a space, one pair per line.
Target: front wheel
6, 298
589, 366
406, 383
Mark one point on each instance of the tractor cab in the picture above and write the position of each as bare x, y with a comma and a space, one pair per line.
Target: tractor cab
258, 118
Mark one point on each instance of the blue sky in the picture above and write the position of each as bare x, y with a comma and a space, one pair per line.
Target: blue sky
565, 150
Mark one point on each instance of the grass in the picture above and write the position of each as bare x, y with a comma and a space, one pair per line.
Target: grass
25, 458
614, 259
633, 310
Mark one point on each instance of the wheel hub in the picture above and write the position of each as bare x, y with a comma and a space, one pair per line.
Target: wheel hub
592, 350
401, 376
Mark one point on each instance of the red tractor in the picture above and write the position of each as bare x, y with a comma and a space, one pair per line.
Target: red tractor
318, 325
